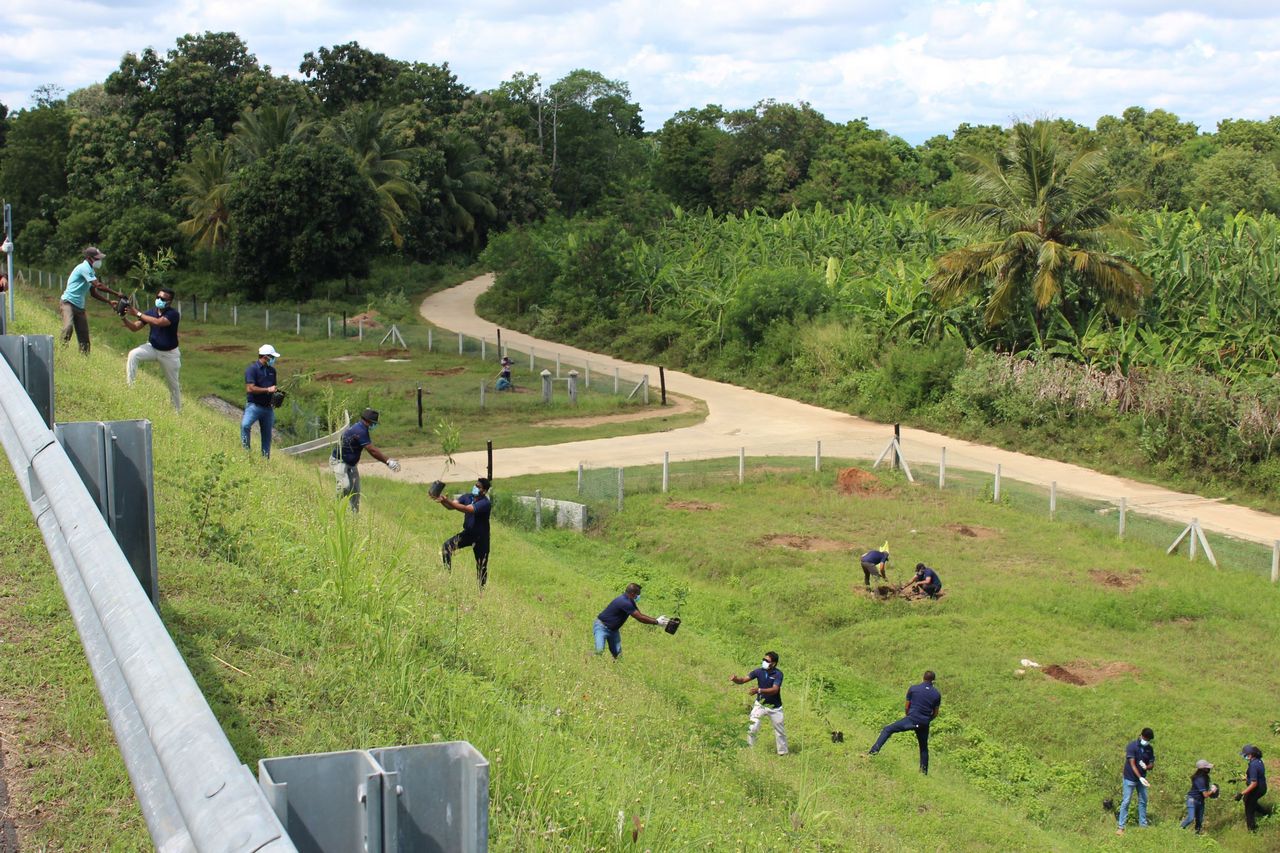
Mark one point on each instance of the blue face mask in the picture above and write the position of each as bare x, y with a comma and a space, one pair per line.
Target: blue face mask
373, 426
160, 303
475, 490
271, 361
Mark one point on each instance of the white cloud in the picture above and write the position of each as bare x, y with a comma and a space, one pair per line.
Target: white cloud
915, 68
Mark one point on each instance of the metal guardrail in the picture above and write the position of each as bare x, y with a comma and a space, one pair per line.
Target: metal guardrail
194, 792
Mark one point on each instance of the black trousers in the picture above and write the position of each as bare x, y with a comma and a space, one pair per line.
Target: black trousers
1252, 809
906, 724
479, 548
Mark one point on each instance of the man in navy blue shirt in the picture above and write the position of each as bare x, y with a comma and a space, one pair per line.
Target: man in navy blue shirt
768, 693
926, 581
1139, 758
162, 342
345, 460
923, 700
475, 528
873, 563
609, 622
1256, 777
259, 385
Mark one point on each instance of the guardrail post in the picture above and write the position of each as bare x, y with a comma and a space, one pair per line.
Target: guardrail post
31, 358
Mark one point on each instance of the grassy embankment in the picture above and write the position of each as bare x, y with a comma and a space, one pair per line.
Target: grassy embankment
346, 633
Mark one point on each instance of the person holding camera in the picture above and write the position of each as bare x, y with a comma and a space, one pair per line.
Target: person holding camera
346, 456
1256, 778
475, 528
162, 341
83, 280
1139, 758
768, 700
607, 629
260, 388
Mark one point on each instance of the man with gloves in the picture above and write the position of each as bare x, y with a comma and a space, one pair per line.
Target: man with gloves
608, 625
346, 456
768, 702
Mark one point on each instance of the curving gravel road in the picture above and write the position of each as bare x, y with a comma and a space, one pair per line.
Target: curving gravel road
765, 424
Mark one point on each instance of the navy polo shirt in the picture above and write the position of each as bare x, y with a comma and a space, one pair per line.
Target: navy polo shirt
262, 375
1257, 772
929, 576
1199, 785
355, 439
164, 338
1138, 752
768, 678
924, 699
875, 557
614, 616
477, 521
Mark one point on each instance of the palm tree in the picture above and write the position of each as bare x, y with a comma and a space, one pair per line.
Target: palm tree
466, 186
260, 131
382, 159
1044, 226
205, 180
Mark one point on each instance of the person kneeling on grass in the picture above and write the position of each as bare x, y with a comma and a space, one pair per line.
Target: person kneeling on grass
768, 693
926, 581
608, 625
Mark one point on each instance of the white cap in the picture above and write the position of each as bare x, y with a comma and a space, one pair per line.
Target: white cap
267, 349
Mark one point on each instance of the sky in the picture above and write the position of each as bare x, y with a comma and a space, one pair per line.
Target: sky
913, 68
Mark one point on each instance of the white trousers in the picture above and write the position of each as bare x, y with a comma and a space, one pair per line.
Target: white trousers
758, 713
170, 360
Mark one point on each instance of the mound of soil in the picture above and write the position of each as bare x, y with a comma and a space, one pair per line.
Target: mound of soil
1115, 581
223, 348
972, 531
1086, 674
367, 319
446, 371
802, 543
693, 506
855, 481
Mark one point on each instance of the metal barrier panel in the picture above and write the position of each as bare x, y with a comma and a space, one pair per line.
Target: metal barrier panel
31, 359
114, 461
428, 798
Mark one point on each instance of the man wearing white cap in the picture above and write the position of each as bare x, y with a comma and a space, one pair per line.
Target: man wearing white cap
259, 385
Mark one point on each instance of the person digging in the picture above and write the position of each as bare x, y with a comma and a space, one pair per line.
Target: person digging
874, 563
926, 582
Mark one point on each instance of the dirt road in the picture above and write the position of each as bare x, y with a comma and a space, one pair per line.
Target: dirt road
764, 424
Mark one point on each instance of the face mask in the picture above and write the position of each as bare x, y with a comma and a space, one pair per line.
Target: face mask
373, 426
1144, 742
475, 490
97, 265
160, 303
766, 664
271, 361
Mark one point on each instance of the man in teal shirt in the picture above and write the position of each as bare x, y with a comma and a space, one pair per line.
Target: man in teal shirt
83, 280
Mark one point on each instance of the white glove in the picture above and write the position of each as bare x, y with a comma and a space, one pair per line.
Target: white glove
1143, 780
393, 464
7, 247
662, 620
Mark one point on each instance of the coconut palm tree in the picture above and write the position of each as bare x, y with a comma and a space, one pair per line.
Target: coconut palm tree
466, 186
205, 180
260, 131
383, 159
1045, 230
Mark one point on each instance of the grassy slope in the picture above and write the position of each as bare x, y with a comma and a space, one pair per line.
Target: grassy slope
352, 636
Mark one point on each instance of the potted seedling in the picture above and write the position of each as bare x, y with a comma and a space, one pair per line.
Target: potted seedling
450, 438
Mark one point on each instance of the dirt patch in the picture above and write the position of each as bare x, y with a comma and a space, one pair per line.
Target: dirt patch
349, 357
971, 530
224, 348
1115, 581
693, 506
1086, 674
368, 319
445, 371
332, 377
802, 543
387, 353
855, 481
678, 405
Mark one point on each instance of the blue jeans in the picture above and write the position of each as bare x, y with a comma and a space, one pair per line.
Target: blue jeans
263, 415
1142, 803
1195, 812
603, 635
906, 724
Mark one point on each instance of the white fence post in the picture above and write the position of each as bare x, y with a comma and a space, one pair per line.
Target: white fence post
817, 457
459, 343
330, 325
537, 509
1124, 509
360, 329
942, 469
235, 315
666, 470
586, 379
742, 465
996, 491
430, 343
531, 358
579, 478
482, 395
1053, 498
266, 318
619, 490
1275, 562
483, 349
557, 365
645, 396
298, 330
615, 380
1195, 522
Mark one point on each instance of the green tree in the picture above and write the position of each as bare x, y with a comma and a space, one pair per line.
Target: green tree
1045, 228
298, 214
33, 174
261, 131
594, 144
767, 156
384, 155
348, 74
687, 145
205, 181
465, 187
1235, 179
856, 162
